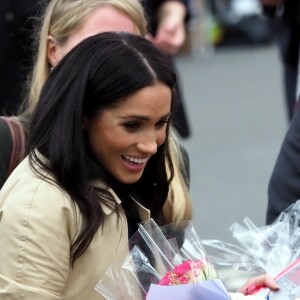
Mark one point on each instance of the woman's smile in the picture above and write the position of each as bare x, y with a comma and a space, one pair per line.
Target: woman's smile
124, 137
135, 161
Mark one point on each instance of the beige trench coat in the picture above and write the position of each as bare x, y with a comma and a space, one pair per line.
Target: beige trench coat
38, 224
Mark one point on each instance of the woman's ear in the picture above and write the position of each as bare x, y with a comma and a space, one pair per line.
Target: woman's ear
53, 52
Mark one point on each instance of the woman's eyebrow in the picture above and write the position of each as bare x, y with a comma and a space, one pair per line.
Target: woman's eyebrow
143, 118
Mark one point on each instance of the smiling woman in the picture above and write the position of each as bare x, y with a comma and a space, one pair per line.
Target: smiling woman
96, 167
124, 137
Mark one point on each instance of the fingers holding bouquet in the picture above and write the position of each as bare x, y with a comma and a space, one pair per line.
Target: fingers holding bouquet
254, 284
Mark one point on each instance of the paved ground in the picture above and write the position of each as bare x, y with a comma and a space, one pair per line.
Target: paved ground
235, 103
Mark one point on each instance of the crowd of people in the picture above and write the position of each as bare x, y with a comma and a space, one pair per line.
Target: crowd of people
90, 146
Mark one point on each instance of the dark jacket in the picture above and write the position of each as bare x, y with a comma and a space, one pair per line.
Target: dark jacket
16, 37
289, 11
284, 185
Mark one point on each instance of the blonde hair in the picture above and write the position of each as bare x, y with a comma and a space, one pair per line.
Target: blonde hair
178, 205
61, 19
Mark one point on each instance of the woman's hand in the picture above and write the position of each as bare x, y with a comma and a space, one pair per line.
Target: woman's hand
255, 283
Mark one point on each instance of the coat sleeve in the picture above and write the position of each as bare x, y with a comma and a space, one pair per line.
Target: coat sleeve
37, 229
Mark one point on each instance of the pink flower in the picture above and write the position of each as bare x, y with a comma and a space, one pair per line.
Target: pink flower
183, 268
165, 281
190, 271
183, 280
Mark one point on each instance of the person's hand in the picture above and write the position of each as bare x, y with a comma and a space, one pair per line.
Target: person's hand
262, 281
170, 34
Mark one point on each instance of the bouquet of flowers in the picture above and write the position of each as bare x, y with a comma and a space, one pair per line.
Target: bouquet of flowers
272, 249
166, 262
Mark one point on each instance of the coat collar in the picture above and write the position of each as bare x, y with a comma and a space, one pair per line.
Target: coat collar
144, 213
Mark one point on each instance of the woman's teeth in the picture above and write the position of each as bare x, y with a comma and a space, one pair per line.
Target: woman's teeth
133, 160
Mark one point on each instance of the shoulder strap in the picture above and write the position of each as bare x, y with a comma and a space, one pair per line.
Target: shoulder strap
18, 142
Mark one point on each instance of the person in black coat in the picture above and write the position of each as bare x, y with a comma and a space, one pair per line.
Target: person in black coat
284, 185
16, 37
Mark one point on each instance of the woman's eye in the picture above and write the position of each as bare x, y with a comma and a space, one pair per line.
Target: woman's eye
161, 124
132, 125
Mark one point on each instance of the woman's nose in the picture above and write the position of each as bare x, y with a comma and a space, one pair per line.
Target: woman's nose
148, 145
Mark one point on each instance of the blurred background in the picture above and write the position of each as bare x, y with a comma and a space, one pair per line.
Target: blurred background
231, 77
